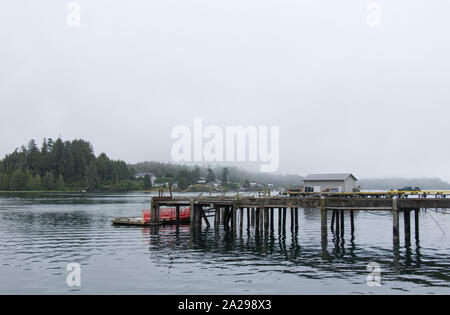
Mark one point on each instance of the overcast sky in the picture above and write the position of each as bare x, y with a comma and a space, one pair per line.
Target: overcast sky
346, 96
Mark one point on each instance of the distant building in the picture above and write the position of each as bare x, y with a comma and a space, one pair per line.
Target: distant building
142, 175
331, 182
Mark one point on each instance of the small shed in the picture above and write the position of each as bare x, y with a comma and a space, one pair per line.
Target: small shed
342, 182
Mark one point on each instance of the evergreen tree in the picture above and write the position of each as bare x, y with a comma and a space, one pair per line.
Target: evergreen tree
18, 180
182, 183
196, 174
34, 183
60, 182
48, 182
92, 179
33, 157
147, 182
225, 176
210, 176
4, 181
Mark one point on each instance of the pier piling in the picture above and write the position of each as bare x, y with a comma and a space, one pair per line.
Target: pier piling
217, 217
271, 218
416, 224
337, 223
279, 220
352, 222
407, 221
395, 228
266, 219
177, 215
323, 221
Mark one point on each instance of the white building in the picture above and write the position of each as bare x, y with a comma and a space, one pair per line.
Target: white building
331, 182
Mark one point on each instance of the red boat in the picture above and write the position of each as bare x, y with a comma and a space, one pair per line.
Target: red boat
168, 214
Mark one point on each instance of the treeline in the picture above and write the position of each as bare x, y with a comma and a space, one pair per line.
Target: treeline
60, 165
168, 171
397, 183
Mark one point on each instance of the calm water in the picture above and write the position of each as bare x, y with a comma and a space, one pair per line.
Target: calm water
41, 234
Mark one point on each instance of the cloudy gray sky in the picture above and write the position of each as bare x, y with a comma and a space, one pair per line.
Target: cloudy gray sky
346, 96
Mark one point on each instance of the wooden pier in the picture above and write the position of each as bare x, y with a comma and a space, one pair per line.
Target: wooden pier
260, 211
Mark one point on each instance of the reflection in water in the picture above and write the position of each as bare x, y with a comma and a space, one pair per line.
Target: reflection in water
40, 234
279, 249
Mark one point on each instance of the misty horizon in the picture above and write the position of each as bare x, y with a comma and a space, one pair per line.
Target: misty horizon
347, 97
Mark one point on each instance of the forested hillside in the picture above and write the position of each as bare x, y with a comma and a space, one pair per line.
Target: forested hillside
59, 165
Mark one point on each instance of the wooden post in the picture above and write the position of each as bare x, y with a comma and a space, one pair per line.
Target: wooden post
407, 220
271, 218
248, 218
324, 225
279, 220
266, 219
241, 219
228, 213
223, 217
257, 218
395, 220
337, 222
416, 224
292, 219
261, 218
217, 217
352, 222
234, 217
253, 216
332, 220
177, 215
296, 219
284, 219
198, 215
153, 212
205, 218
158, 209
342, 223
191, 214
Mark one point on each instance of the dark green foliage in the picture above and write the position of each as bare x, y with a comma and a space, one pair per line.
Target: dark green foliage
210, 177
34, 183
48, 182
59, 165
60, 182
147, 182
92, 178
182, 183
19, 180
4, 181
225, 176
196, 174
